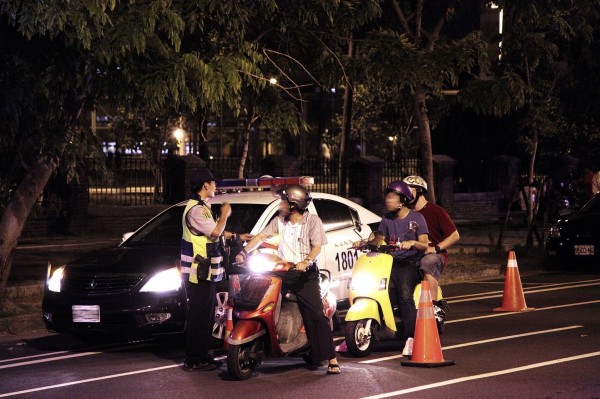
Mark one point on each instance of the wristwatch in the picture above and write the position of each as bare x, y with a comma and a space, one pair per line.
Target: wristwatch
437, 249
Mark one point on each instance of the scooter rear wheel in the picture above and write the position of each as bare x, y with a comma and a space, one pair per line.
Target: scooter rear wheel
243, 359
359, 337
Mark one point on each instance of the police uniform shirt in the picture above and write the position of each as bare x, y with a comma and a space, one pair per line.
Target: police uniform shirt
201, 220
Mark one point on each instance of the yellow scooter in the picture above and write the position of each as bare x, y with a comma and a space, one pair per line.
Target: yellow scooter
371, 314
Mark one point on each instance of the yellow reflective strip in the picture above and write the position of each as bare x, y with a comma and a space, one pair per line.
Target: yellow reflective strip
194, 274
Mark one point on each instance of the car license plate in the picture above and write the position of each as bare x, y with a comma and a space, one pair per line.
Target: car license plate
86, 313
585, 250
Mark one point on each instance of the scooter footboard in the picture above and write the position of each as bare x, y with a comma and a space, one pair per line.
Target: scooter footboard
245, 331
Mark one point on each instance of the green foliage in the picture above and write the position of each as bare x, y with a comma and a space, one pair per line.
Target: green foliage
497, 97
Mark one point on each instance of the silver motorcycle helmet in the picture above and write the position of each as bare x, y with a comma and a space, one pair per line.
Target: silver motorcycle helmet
297, 196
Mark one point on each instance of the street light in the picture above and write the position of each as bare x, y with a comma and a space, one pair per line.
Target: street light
179, 135
393, 140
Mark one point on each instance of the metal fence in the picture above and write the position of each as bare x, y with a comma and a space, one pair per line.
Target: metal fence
136, 181
130, 181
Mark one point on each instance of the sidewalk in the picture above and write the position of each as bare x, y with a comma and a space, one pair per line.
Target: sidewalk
473, 257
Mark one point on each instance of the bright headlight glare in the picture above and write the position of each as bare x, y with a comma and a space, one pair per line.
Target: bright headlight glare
167, 280
364, 284
55, 282
259, 264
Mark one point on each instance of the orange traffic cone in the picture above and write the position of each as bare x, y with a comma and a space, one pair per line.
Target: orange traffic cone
513, 299
228, 327
427, 350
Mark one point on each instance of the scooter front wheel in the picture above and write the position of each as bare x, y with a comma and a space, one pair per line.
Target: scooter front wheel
243, 359
359, 337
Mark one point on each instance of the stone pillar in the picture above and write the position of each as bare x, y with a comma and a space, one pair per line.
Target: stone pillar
504, 176
176, 180
366, 177
443, 172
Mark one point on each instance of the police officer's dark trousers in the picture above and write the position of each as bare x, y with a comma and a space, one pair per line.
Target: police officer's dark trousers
200, 319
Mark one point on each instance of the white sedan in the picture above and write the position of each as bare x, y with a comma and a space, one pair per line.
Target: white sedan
136, 287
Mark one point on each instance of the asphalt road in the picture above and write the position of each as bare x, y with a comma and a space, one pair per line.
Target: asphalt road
550, 352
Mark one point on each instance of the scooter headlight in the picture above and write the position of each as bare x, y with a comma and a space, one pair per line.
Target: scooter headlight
264, 262
258, 264
364, 284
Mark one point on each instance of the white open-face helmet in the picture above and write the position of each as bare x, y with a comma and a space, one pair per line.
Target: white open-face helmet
416, 182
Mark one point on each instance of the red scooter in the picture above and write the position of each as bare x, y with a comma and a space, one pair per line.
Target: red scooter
267, 319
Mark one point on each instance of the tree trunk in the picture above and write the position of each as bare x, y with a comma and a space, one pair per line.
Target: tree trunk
246, 143
18, 210
425, 150
253, 117
532, 208
346, 128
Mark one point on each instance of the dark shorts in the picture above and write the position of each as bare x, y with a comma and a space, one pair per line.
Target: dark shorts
432, 264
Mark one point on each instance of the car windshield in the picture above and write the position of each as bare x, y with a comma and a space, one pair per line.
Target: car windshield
593, 206
166, 229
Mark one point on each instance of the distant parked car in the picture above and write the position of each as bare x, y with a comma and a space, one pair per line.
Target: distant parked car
136, 286
575, 238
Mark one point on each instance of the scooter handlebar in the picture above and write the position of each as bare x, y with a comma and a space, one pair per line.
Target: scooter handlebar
383, 248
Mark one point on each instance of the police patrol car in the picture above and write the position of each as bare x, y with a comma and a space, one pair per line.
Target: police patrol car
136, 287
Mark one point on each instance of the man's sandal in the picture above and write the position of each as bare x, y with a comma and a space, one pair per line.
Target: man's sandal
333, 369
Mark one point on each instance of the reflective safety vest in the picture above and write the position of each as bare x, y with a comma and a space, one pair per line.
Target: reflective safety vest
195, 246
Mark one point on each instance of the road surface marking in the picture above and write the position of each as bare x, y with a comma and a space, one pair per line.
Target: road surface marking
56, 358
572, 284
106, 377
568, 305
485, 341
527, 291
485, 375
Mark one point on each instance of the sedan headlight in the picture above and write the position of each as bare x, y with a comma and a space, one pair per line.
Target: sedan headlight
55, 281
167, 280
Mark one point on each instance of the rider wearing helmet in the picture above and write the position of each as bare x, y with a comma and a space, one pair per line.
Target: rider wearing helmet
408, 230
442, 235
297, 196
302, 235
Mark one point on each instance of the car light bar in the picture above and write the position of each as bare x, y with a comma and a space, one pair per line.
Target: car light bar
264, 182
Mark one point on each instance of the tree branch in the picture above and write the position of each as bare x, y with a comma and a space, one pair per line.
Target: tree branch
402, 18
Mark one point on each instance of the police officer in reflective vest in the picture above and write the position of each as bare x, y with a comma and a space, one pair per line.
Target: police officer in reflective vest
202, 267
